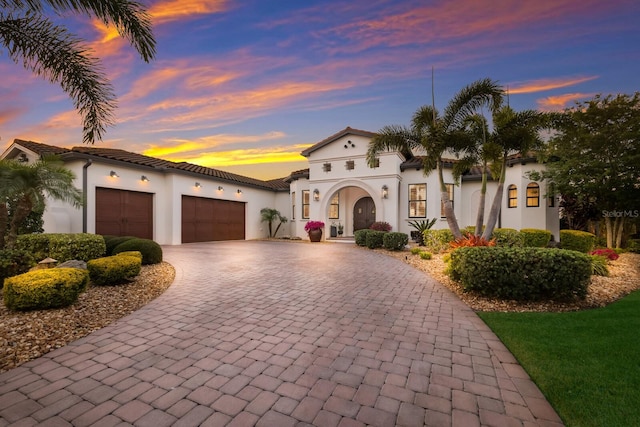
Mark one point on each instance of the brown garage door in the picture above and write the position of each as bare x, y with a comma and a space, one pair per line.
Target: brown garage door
206, 220
124, 213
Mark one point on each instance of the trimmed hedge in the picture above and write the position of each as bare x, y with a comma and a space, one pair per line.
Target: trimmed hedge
62, 246
523, 274
48, 288
361, 236
150, 250
136, 254
111, 242
395, 241
438, 240
535, 238
508, 237
14, 262
375, 239
576, 240
113, 270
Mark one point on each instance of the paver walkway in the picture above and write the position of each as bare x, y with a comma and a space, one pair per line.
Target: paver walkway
283, 334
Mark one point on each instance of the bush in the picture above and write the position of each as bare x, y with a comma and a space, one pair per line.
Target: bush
41, 289
426, 255
471, 240
394, 241
361, 237
610, 254
63, 246
415, 251
420, 227
113, 270
14, 262
508, 237
438, 240
599, 265
111, 242
136, 254
524, 274
380, 226
375, 239
150, 250
633, 245
576, 240
535, 238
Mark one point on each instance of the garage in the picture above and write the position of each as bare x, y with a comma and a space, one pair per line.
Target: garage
124, 213
206, 220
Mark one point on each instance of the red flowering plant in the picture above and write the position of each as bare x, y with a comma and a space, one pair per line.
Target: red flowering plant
313, 225
609, 254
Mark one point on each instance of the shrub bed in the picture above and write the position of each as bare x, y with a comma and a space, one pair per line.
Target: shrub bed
523, 274
535, 238
62, 246
150, 250
438, 240
113, 270
14, 262
508, 237
394, 241
41, 289
576, 240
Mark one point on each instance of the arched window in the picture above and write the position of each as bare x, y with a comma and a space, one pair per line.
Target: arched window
512, 194
533, 195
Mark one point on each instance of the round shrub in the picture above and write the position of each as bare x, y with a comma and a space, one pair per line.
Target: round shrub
361, 237
150, 250
380, 226
114, 269
375, 239
14, 262
48, 288
394, 241
508, 237
426, 255
535, 238
112, 241
576, 240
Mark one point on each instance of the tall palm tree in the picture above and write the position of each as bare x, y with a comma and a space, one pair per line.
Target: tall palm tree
514, 133
28, 184
53, 52
437, 134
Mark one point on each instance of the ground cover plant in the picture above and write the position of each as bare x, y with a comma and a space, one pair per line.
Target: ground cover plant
585, 363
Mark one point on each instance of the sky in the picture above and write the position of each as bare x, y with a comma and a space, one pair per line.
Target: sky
245, 85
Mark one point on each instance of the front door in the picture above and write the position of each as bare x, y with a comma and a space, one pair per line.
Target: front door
364, 213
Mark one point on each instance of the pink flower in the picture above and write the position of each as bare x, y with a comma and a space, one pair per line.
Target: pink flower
313, 225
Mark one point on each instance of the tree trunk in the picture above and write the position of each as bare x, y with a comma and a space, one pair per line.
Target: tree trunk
21, 212
497, 201
452, 221
483, 196
619, 231
609, 226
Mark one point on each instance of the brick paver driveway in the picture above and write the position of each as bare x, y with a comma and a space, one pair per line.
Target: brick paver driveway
283, 334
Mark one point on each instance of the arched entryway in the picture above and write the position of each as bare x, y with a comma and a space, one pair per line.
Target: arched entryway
364, 213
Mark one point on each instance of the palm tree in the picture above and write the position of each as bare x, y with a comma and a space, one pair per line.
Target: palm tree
436, 135
51, 51
514, 133
27, 185
270, 215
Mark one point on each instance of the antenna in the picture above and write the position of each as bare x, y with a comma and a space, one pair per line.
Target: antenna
508, 105
433, 98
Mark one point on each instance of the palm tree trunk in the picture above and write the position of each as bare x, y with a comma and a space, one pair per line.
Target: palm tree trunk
22, 211
497, 201
609, 226
452, 221
619, 231
483, 197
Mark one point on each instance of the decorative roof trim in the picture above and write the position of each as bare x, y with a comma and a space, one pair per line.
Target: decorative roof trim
344, 132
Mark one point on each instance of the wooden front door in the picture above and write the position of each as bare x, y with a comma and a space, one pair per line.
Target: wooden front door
364, 213
124, 213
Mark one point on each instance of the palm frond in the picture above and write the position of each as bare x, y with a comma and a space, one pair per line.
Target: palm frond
469, 99
389, 138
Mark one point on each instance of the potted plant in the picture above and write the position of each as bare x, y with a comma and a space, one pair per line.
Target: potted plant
314, 230
340, 229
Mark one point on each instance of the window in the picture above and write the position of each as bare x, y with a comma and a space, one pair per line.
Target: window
350, 165
305, 204
334, 207
376, 162
293, 205
533, 195
326, 167
450, 193
512, 194
417, 200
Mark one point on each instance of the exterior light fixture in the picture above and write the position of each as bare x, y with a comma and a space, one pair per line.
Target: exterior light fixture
198, 185
385, 191
144, 178
220, 188
316, 195
239, 191
113, 174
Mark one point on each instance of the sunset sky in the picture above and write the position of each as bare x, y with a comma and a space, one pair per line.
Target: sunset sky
246, 85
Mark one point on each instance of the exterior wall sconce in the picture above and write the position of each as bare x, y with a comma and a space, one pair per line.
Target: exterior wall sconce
316, 195
385, 192
113, 174
144, 178
220, 188
198, 185
239, 191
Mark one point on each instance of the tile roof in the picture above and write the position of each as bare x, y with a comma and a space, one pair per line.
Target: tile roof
118, 155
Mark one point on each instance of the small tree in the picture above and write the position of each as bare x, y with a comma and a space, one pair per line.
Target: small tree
271, 215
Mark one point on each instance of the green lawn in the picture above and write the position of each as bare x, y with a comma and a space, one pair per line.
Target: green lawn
586, 363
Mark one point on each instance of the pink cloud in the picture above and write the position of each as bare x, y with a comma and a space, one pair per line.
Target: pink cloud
560, 102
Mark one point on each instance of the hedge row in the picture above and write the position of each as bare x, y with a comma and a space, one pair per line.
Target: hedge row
62, 246
392, 241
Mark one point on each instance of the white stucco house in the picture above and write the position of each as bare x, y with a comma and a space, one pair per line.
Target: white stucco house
174, 203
